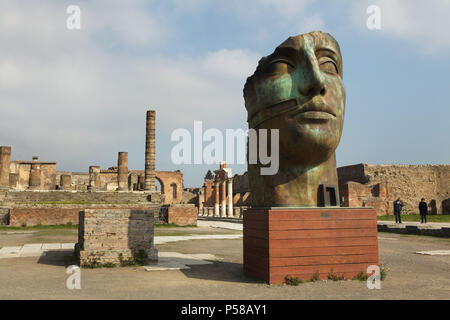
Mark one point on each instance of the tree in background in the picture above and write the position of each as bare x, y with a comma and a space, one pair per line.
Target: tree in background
209, 175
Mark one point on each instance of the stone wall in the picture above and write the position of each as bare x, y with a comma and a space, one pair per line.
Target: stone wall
49, 198
44, 216
182, 214
112, 235
45, 174
171, 185
380, 185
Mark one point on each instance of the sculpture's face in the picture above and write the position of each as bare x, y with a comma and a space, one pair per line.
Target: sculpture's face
299, 90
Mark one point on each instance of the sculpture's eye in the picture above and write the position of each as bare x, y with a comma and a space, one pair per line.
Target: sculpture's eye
278, 67
329, 66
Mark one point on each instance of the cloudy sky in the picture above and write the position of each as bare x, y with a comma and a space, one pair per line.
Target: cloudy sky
79, 96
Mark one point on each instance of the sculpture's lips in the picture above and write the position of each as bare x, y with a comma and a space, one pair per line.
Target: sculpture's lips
314, 115
316, 112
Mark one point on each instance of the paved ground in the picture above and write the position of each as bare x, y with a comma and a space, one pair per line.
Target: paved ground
412, 275
418, 224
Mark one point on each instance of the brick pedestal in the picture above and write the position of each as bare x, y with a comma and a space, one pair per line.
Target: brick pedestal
299, 242
109, 235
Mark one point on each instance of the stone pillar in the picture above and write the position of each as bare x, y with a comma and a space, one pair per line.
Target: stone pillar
216, 199
5, 160
230, 198
65, 182
150, 151
122, 171
13, 180
35, 177
94, 178
223, 198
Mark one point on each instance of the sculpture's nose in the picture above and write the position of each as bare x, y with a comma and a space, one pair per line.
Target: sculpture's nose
312, 82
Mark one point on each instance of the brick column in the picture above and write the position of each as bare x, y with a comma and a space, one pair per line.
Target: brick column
150, 151
65, 182
13, 180
122, 171
223, 198
216, 199
5, 160
230, 198
35, 177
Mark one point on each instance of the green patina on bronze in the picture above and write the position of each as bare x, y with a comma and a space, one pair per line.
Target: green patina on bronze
298, 89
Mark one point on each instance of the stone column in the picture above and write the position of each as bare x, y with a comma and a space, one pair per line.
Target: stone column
122, 171
94, 177
150, 151
230, 198
65, 182
35, 177
216, 199
223, 198
13, 180
5, 160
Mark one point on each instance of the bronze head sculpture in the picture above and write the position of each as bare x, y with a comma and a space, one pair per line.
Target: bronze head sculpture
298, 89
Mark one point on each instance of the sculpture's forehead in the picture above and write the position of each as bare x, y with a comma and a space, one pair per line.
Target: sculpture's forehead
315, 40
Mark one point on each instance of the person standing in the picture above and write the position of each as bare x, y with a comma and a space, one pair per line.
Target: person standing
423, 208
398, 205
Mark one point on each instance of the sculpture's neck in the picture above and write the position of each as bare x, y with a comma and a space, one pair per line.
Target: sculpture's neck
292, 186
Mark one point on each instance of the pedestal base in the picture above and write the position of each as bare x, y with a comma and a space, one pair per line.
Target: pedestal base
300, 242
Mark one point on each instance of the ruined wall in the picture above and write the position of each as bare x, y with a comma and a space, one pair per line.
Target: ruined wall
114, 235
171, 185
46, 179
182, 214
14, 199
382, 184
79, 180
44, 216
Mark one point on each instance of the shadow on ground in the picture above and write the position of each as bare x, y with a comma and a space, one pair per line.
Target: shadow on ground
63, 258
220, 271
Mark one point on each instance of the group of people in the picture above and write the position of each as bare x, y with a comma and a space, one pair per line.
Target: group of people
398, 205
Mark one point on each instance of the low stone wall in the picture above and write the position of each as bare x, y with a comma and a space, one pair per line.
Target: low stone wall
45, 198
433, 231
44, 216
115, 235
182, 214
69, 214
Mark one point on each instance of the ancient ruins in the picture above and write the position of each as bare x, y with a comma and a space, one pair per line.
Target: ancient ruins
35, 192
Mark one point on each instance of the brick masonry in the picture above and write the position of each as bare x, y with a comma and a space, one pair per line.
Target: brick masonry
379, 185
110, 235
44, 216
182, 215
301, 242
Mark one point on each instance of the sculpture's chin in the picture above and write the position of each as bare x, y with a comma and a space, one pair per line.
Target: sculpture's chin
309, 146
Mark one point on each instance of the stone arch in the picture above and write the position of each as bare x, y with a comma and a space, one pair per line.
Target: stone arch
161, 182
171, 185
